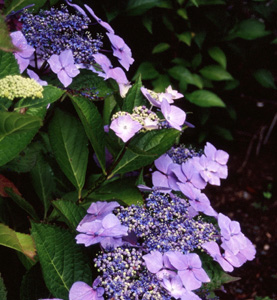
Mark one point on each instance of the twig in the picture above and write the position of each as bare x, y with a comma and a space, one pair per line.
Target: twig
260, 141
270, 129
248, 152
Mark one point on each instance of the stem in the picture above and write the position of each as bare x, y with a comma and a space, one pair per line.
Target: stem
120, 155
95, 185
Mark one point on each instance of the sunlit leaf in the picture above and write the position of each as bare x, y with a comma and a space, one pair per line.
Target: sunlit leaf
18, 241
218, 55
205, 99
249, 29
216, 73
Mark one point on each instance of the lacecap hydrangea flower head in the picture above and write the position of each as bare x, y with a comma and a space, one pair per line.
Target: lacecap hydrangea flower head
65, 42
155, 251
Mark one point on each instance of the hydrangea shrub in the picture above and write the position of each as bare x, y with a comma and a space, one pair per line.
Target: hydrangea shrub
121, 211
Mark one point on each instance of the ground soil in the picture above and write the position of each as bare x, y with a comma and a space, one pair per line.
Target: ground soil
243, 197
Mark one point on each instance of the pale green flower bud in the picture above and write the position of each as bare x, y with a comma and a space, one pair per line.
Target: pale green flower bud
16, 86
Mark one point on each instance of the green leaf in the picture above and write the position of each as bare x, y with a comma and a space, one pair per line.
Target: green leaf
15, 5
218, 55
16, 132
161, 83
193, 79
25, 160
11, 122
32, 285
134, 97
3, 291
196, 61
147, 71
178, 72
223, 132
231, 84
100, 88
182, 12
144, 149
207, 2
147, 23
265, 78
18, 241
93, 125
160, 48
194, 2
5, 39
109, 106
250, 29
185, 37
216, 73
50, 95
43, 182
69, 144
200, 38
8, 64
72, 212
139, 7
22, 203
62, 260
123, 190
205, 99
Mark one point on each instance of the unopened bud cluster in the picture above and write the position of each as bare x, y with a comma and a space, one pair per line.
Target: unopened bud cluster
16, 86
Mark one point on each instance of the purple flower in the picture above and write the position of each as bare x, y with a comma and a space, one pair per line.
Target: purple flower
154, 98
82, 291
173, 115
247, 253
63, 65
77, 7
188, 295
25, 51
231, 234
121, 50
227, 260
109, 72
207, 169
34, 75
98, 210
187, 173
106, 231
99, 21
164, 178
199, 201
154, 261
125, 127
174, 94
159, 264
219, 156
174, 286
189, 268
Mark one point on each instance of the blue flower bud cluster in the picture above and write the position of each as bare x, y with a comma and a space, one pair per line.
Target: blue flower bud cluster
126, 277
165, 224
182, 153
55, 30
